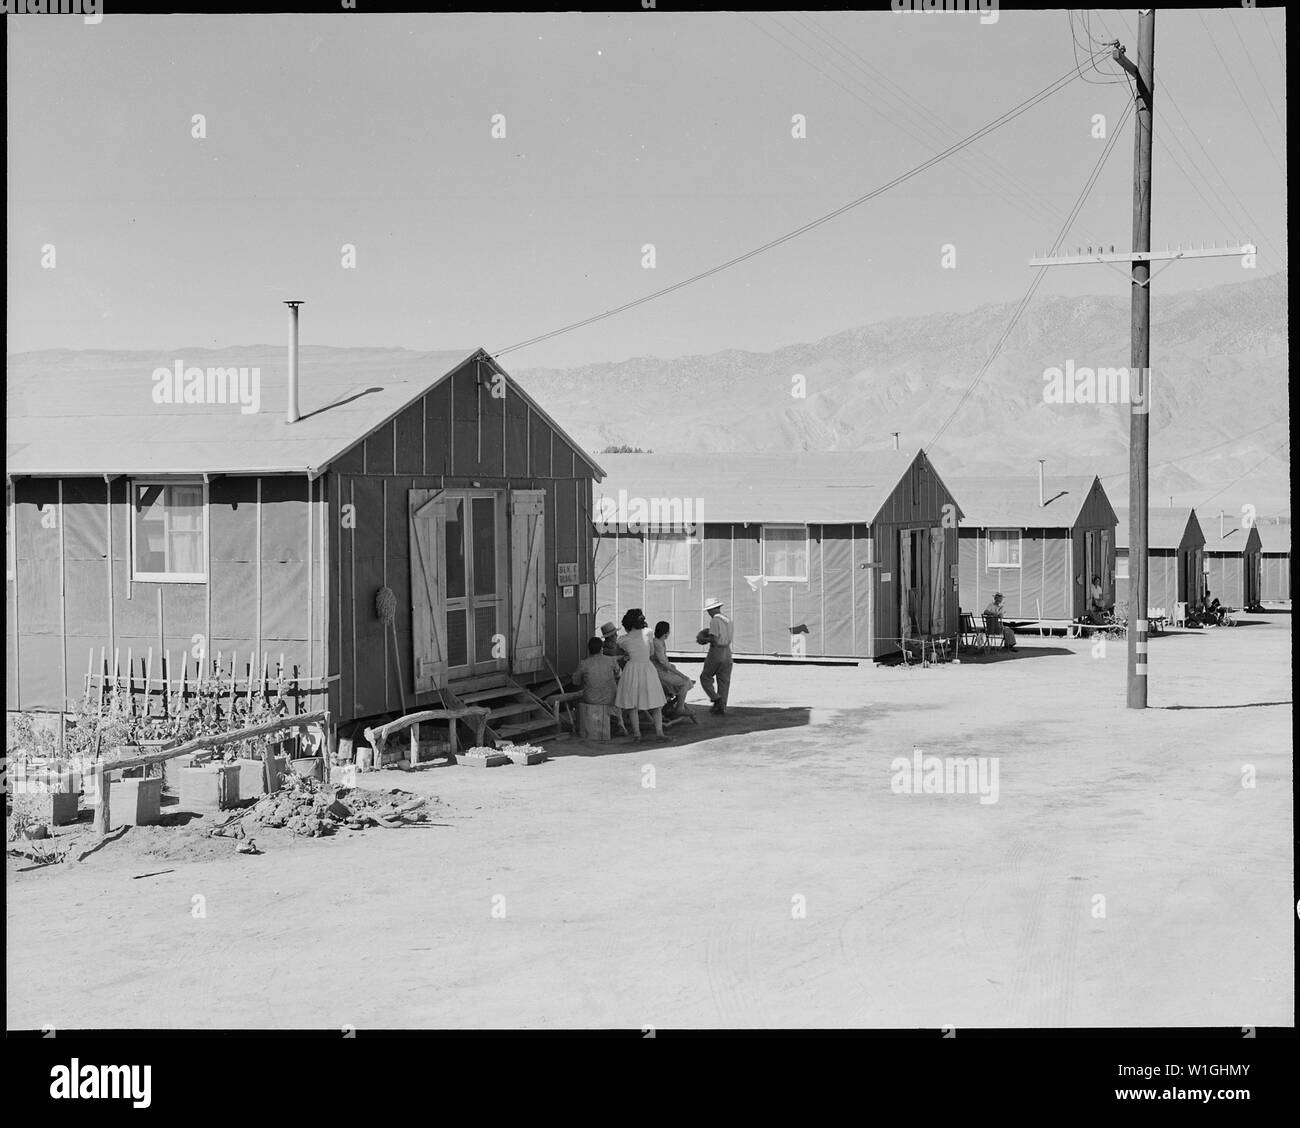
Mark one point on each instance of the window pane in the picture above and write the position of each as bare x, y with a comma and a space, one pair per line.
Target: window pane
455, 560
185, 529
485, 545
150, 530
785, 552
668, 554
1004, 548
485, 629
457, 638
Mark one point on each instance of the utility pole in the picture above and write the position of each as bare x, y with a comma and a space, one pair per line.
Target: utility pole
1139, 430
1139, 259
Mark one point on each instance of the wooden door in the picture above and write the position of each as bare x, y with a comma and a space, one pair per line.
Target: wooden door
473, 582
427, 525
527, 589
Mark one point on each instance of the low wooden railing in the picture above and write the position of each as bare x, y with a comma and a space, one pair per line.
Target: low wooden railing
475, 715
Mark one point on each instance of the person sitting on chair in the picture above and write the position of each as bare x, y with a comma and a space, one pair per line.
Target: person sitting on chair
676, 685
610, 646
1214, 611
1096, 612
995, 609
597, 677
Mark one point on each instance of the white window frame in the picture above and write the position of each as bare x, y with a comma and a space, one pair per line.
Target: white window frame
1121, 567
989, 566
806, 555
133, 486
686, 539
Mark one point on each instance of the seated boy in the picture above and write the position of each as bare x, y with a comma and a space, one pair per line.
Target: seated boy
597, 677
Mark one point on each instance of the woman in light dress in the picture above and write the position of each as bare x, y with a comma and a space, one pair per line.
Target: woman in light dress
675, 683
639, 686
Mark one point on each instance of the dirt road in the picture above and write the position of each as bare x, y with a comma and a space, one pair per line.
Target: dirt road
757, 871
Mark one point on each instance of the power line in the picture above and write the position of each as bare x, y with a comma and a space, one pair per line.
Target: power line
1005, 187
1250, 62
1218, 215
1109, 79
1276, 49
1198, 453
1167, 92
1245, 105
926, 141
1247, 474
1009, 116
1042, 270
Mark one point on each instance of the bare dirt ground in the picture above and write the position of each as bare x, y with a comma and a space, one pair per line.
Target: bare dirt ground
572, 894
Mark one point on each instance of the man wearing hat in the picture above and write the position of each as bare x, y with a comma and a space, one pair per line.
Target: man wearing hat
609, 632
994, 610
717, 663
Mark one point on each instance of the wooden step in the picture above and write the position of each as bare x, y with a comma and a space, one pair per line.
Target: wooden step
509, 732
481, 695
511, 710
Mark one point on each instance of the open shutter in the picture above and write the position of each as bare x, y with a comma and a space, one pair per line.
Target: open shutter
428, 520
938, 583
527, 595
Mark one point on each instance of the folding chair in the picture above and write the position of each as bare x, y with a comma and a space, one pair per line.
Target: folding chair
971, 636
993, 631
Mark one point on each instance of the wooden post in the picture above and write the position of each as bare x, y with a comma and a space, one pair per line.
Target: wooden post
102, 815
90, 665
148, 683
130, 682
1140, 398
268, 766
415, 744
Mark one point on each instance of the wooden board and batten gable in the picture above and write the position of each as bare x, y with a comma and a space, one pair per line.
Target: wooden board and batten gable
432, 475
814, 554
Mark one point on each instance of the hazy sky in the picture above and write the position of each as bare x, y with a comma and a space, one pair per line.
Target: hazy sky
621, 130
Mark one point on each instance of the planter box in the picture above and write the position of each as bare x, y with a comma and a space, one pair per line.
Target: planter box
59, 808
525, 756
209, 788
136, 802
252, 776
432, 750
171, 772
311, 767
495, 760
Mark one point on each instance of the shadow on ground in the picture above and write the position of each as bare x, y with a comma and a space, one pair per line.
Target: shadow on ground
737, 722
1021, 652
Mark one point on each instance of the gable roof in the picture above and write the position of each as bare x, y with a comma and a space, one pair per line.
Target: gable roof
802, 488
1012, 502
1166, 528
79, 413
1235, 539
1275, 539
